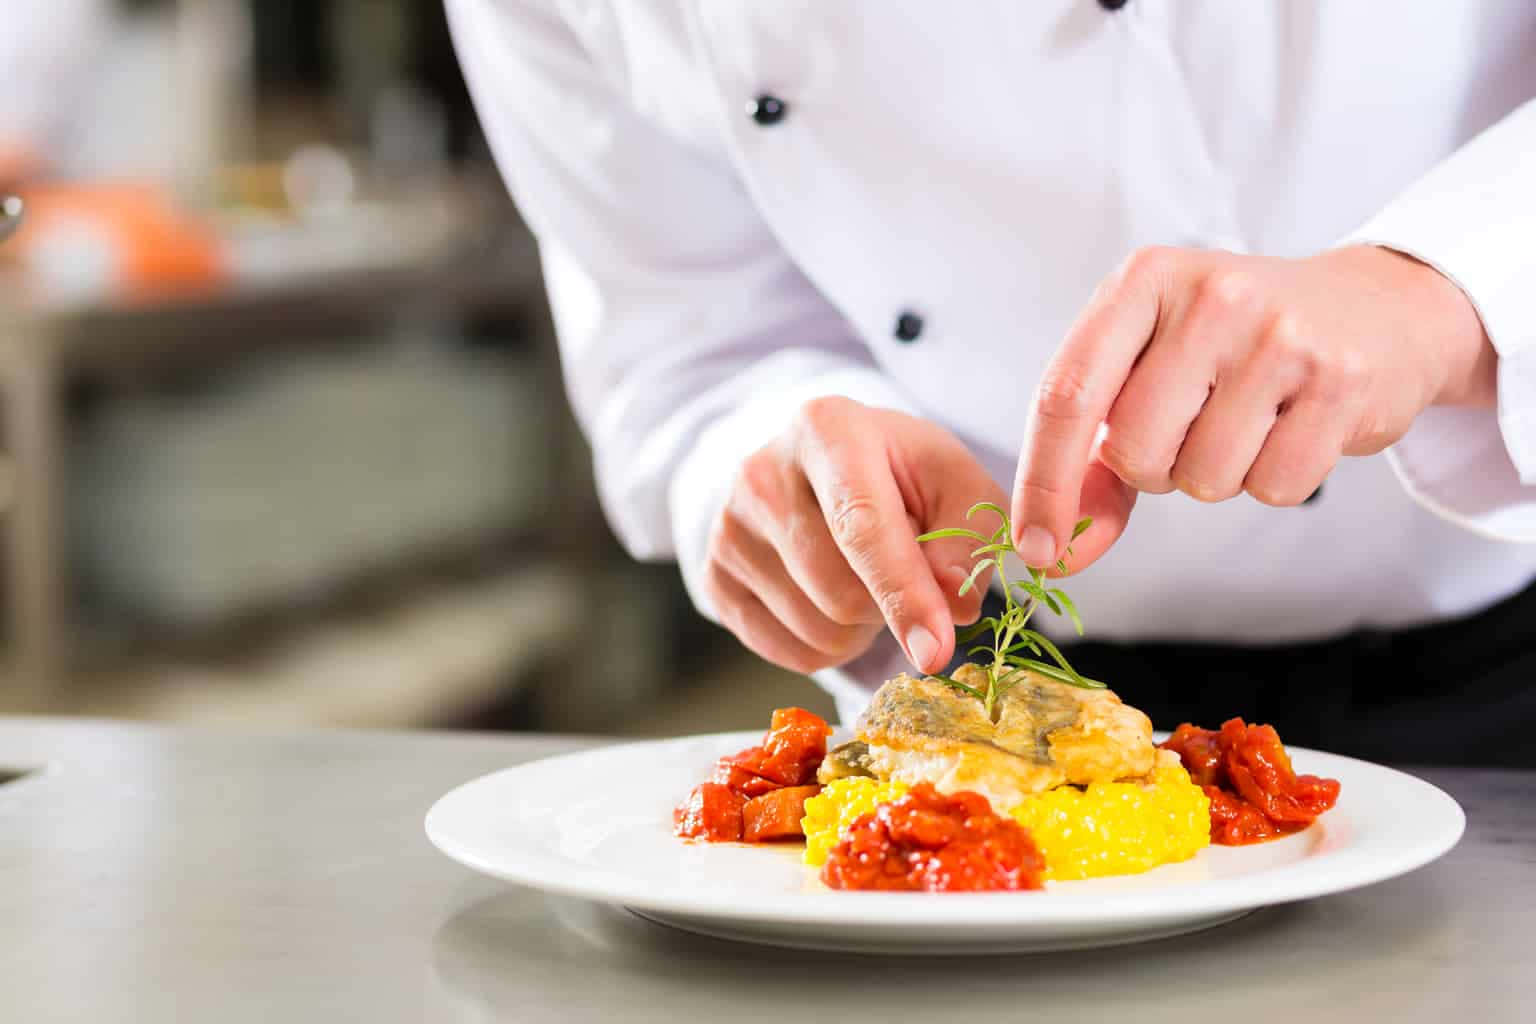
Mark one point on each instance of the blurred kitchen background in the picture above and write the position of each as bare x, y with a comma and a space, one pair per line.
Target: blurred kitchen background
282, 432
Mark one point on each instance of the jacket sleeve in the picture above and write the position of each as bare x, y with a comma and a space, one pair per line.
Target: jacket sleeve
47, 53
1473, 218
688, 337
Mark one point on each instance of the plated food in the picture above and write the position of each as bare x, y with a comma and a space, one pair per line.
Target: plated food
1002, 777
962, 811
595, 823
1076, 768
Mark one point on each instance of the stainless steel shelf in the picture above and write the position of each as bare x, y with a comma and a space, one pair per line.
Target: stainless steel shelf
478, 266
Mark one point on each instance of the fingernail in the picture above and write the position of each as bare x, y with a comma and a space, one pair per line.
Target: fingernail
1036, 546
921, 647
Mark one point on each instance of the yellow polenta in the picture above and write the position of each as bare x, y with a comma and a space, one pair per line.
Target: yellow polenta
839, 804
1118, 828
1109, 828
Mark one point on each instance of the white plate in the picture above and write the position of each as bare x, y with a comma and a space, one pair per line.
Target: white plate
598, 824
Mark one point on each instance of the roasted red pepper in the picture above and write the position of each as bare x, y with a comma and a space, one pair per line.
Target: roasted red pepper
747, 783
711, 812
776, 815
788, 757
1255, 794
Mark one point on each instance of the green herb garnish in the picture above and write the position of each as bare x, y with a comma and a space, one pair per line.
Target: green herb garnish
1011, 635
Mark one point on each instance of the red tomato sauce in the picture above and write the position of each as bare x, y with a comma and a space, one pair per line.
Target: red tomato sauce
929, 841
759, 794
1255, 794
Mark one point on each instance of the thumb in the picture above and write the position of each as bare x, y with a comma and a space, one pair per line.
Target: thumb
1107, 500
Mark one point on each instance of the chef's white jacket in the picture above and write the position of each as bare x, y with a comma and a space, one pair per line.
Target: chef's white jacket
738, 201
49, 58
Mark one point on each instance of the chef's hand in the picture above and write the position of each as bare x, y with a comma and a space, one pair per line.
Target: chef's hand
815, 551
1215, 374
17, 165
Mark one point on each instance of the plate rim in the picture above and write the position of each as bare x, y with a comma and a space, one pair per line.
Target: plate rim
1284, 883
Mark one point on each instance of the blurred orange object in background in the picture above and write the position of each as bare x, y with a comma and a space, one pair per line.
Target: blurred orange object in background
115, 240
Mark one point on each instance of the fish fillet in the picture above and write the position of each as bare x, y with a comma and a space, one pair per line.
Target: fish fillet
1046, 734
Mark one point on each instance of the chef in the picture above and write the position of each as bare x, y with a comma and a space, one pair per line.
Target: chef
1251, 285
49, 54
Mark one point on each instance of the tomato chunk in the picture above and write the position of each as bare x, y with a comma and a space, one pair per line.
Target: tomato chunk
1236, 822
1200, 750
937, 843
776, 815
1255, 793
792, 749
711, 812
786, 759
729, 772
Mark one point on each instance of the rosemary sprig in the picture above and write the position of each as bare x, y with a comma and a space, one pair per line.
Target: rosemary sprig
1011, 635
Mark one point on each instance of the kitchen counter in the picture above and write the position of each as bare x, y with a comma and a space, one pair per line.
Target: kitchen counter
153, 874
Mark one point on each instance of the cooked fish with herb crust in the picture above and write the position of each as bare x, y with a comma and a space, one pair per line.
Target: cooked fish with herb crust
846, 761
1047, 734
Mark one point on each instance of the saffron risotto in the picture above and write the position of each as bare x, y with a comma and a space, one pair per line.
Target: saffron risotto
1108, 828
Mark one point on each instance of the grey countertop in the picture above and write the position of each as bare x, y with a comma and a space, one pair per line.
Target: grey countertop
153, 874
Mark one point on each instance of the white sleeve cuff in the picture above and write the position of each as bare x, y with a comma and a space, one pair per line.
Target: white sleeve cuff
1455, 462
1471, 218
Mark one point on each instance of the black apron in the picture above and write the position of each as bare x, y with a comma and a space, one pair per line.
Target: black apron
1462, 691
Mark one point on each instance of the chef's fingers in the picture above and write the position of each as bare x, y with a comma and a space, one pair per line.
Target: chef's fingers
1302, 448
1075, 394
816, 564
1224, 442
1108, 501
850, 473
755, 626
1191, 351
751, 560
